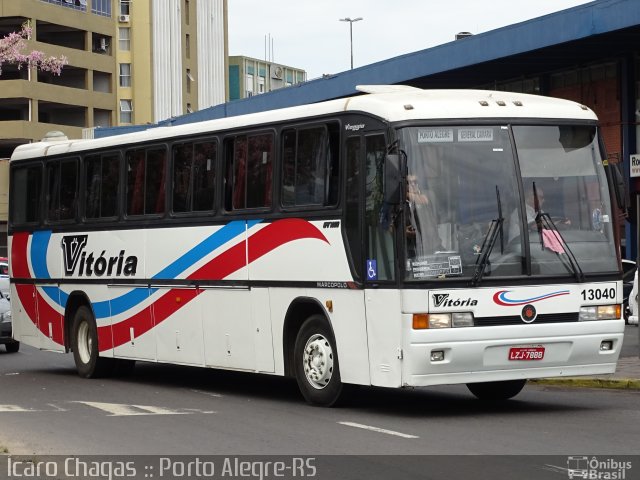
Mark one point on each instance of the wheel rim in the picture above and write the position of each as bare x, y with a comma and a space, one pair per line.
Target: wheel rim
85, 342
318, 361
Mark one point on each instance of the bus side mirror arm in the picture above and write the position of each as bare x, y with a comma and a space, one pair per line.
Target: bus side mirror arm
392, 179
620, 187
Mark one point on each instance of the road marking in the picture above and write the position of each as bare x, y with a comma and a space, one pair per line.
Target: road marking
57, 408
553, 468
210, 394
14, 409
124, 410
11, 374
376, 429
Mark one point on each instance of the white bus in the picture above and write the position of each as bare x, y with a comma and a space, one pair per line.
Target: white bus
398, 238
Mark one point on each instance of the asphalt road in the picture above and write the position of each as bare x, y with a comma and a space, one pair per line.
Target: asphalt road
45, 408
630, 343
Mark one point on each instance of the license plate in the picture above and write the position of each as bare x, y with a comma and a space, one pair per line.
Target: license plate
526, 353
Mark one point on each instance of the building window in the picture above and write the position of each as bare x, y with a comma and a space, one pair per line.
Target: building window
126, 111
125, 7
101, 7
75, 4
125, 74
124, 36
189, 80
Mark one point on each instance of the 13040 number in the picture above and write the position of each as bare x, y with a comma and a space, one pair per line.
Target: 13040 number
599, 293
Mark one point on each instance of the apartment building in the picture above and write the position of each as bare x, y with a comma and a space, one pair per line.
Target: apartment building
251, 76
130, 62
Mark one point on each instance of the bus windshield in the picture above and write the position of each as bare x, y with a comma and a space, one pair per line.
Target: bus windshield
475, 208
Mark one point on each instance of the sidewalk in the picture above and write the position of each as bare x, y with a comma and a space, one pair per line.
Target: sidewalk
627, 376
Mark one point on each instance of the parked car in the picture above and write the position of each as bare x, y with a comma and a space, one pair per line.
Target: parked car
6, 337
4, 279
628, 274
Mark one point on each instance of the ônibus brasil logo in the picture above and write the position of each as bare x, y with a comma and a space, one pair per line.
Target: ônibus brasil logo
75, 258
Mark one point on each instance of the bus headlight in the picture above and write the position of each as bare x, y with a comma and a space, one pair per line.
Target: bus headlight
462, 319
600, 312
422, 321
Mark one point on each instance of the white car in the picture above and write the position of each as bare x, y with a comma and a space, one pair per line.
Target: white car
6, 338
4, 279
633, 302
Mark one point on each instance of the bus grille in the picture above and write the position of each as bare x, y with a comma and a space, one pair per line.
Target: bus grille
516, 320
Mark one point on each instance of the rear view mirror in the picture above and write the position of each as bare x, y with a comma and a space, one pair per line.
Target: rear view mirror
392, 179
620, 187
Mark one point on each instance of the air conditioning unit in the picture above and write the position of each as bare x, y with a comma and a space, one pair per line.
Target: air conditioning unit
123, 18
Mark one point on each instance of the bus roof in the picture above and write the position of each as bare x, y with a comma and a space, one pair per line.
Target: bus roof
393, 103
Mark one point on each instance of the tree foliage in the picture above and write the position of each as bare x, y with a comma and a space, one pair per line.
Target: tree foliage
14, 44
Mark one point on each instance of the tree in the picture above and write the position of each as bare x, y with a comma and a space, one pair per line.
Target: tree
12, 46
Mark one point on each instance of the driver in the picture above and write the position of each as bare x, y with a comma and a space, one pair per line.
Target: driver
529, 199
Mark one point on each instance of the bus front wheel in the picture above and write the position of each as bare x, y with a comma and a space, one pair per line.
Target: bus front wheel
496, 391
316, 363
84, 342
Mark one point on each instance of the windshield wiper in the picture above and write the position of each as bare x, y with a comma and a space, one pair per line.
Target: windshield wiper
489, 242
544, 221
549, 224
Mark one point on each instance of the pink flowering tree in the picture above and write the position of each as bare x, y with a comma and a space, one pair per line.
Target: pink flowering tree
13, 45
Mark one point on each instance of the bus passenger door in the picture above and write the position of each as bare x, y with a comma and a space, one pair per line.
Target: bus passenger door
382, 297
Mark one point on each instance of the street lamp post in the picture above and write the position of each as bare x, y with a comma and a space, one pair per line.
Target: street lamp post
351, 20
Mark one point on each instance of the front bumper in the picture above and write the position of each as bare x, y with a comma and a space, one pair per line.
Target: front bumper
481, 354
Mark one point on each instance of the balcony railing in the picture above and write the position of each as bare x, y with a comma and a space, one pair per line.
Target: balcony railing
75, 4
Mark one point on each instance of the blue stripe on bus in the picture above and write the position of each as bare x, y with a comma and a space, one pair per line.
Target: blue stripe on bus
40, 243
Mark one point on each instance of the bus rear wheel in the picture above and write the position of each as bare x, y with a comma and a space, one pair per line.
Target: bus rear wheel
84, 342
496, 391
316, 363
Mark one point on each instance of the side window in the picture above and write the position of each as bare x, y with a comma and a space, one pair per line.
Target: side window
194, 177
62, 186
249, 169
146, 176
102, 178
309, 167
25, 194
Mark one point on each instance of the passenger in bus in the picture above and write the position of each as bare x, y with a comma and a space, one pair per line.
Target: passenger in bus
421, 229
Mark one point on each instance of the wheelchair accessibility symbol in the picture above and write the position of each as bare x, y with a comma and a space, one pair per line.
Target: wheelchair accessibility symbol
372, 269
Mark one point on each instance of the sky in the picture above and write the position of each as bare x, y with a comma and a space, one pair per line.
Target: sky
307, 34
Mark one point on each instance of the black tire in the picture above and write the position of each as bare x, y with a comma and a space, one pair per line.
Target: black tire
12, 347
84, 343
496, 391
316, 363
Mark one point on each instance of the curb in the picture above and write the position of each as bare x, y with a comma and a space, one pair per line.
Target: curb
612, 383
